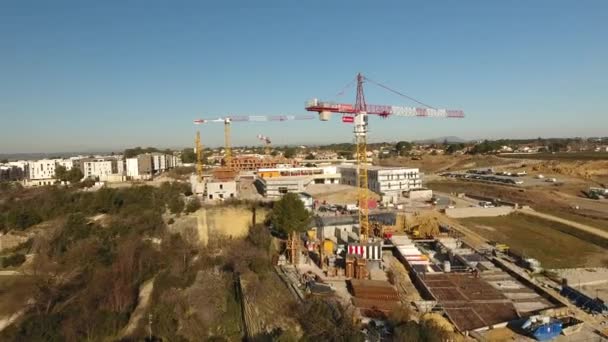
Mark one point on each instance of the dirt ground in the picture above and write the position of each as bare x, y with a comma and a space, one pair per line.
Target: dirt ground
551, 200
553, 244
594, 171
439, 163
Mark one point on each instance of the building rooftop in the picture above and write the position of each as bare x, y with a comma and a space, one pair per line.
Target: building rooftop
377, 167
470, 302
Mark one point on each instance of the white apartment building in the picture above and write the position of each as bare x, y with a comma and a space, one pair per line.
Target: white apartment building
159, 162
131, 167
140, 167
98, 168
390, 182
41, 169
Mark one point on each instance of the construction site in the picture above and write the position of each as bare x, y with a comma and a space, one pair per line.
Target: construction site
385, 238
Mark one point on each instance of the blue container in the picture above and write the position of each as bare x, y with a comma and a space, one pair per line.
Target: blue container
547, 331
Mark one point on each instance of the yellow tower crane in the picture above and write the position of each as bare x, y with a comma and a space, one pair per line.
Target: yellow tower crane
198, 150
227, 120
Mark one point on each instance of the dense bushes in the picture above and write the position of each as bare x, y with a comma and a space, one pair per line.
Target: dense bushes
22, 210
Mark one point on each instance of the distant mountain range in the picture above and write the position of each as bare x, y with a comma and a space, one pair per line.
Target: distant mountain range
439, 140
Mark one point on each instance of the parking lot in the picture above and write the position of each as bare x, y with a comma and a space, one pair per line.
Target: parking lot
503, 178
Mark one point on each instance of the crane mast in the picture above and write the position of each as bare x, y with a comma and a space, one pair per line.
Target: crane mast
227, 144
199, 160
360, 131
358, 115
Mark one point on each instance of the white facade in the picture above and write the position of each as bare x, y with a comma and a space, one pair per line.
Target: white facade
159, 162
390, 182
163, 162
132, 167
219, 190
281, 180
277, 187
98, 168
41, 169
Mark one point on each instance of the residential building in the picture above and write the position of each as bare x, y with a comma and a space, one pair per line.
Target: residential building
10, 173
132, 168
140, 167
22, 167
144, 166
67, 163
99, 167
43, 169
159, 162
391, 183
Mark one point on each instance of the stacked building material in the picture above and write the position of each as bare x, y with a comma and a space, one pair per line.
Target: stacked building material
360, 268
373, 289
349, 270
374, 298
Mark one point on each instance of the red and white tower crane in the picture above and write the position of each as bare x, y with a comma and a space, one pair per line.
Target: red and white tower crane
358, 115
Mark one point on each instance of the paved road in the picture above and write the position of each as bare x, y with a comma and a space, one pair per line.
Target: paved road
580, 226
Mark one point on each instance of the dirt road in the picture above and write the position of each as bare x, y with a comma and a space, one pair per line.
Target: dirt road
142, 306
580, 226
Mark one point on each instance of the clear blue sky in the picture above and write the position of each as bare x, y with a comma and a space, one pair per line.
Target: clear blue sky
91, 75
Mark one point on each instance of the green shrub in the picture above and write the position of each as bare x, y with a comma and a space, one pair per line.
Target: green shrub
193, 205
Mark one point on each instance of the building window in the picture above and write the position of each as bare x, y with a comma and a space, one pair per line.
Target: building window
210, 196
221, 186
221, 195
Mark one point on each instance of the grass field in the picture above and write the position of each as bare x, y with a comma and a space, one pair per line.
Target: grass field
560, 156
554, 244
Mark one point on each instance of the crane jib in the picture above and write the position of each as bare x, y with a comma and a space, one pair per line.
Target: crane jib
385, 110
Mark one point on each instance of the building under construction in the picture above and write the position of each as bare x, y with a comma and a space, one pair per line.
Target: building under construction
472, 291
256, 162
